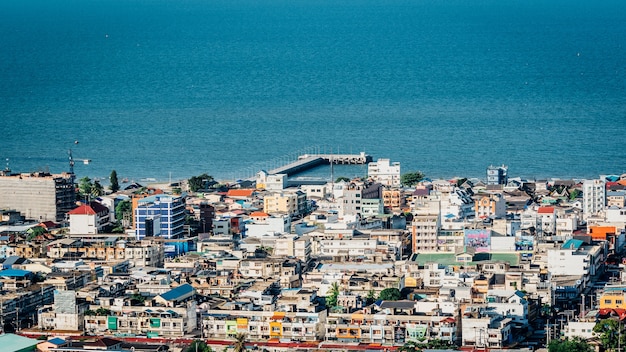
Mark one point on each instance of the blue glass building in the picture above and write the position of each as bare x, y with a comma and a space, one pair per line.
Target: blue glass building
160, 215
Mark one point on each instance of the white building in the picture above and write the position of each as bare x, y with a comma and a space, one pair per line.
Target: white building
582, 329
269, 226
384, 172
271, 182
594, 197
546, 221
510, 304
347, 247
314, 191
89, 219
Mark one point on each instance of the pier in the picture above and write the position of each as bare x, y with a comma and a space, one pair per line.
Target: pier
309, 161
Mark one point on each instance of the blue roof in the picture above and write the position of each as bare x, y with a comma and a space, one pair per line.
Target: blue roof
572, 243
56, 341
11, 260
15, 273
179, 293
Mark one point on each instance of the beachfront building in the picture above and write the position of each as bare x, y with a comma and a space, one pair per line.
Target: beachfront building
160, 215
385, 172
497, 175
594, 197
271, 182
40, 196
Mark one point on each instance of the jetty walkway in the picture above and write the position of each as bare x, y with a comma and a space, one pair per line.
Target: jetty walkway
308, 161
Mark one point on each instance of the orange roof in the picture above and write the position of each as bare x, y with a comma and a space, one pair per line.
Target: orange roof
545, 210
83, 210
259, 214
240, 192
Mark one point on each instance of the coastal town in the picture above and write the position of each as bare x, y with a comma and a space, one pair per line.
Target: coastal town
391, 261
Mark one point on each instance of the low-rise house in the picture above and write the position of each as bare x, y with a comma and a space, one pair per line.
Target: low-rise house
66, 313
264, 325
485, 329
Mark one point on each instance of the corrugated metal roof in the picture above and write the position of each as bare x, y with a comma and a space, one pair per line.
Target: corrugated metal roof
14, 343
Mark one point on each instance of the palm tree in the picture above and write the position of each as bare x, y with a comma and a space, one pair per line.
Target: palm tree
198, 346
240, 342
96, 189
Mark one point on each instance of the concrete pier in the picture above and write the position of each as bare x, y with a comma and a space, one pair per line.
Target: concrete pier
309, 161
351, 159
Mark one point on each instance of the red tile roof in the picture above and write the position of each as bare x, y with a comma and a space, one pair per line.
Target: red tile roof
83, 210
240, 192
545, 210
259, 214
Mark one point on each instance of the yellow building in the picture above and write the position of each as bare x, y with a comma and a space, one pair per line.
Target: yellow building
285, 203
613, 297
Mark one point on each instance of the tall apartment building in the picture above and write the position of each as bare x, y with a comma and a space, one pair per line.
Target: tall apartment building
424, 231
355, 192
384, 172
160, 215
594, 197
497, 175
39, 196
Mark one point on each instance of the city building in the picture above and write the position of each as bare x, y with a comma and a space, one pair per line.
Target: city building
355, 192
160, 215
39, 196
384, 172
271, 182
497, 175
89, 219
594, 197
288, 203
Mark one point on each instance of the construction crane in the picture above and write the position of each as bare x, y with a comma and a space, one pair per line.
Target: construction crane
85, 161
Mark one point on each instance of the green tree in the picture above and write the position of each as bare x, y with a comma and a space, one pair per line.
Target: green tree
342, 179
199, 182
36, 231
573, 194
240, 342
103, 311
460, 181
84, 187
411, 346
577, 344
411, 178
610, 332
390, 294
114, 183
122, 208
439, 344
137, 299
199, 346
96, 189
331, 297
371, 297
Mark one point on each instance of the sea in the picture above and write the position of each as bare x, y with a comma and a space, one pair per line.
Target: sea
168, 89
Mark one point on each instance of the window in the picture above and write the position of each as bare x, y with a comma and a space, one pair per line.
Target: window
618, 301
608, 301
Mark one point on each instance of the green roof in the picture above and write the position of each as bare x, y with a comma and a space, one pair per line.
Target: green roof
17, 343
450, 259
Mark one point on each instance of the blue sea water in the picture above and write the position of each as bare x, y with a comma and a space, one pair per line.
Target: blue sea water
160, 88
